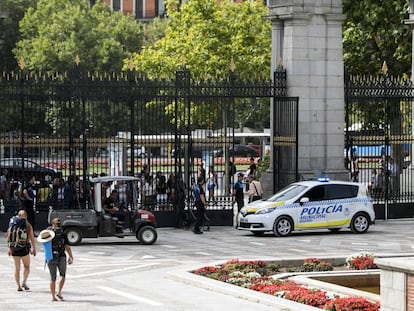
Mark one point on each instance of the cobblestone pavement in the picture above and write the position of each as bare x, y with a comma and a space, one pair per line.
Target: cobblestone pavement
121, 274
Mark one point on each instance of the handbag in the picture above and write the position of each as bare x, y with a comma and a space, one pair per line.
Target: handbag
256, 197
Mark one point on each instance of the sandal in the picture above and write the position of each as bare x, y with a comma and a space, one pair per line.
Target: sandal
59, 296
19, 289
25, 287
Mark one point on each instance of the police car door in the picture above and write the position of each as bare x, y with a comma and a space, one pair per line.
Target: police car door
312, 214
342, 198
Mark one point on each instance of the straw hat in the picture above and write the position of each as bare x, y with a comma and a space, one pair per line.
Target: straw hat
45, 236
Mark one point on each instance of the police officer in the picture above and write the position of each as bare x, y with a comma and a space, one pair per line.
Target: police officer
200, 203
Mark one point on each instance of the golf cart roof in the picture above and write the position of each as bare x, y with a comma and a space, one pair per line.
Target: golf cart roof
112, 178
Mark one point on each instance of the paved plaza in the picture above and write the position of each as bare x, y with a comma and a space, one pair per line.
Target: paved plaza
121, 274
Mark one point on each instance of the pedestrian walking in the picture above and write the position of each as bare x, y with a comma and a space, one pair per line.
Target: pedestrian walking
60, 247
21, 243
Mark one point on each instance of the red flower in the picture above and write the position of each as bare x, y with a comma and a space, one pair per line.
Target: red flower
310, 297
206, 270
291, 290
363, 263
313, 260
350, 304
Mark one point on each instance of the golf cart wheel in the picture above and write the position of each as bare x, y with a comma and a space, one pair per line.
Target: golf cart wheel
74, 236
147, 235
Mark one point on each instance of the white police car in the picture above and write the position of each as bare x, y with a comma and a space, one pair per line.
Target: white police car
308, 205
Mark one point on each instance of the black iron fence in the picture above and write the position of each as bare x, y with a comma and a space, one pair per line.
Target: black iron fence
83, 124
379, 141
285, 141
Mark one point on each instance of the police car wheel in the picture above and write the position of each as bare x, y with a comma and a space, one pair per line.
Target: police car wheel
74, 236
283, 226
360, 223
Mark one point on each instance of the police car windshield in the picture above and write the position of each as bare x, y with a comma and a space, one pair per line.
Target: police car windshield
287, 193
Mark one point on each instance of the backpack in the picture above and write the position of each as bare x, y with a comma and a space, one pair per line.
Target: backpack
17, 236
58, 242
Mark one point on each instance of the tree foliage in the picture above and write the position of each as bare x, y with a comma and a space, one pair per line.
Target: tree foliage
374, 32
56, 31
155, 30
205, 35
11, 12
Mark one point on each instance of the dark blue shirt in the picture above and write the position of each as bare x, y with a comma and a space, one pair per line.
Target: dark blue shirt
238, 187
30, 191
198, 191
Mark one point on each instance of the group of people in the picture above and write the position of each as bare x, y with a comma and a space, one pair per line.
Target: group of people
383, 179
24, 194
61, 193
21, 243
253, 187
156, 190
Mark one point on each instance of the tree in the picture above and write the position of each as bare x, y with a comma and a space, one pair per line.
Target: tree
207, 36
155, 30
56, 31
374, 32
11, 12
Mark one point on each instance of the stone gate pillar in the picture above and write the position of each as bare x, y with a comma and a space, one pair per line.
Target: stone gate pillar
307, 38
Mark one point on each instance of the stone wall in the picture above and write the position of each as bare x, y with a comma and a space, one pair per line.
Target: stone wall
397, 283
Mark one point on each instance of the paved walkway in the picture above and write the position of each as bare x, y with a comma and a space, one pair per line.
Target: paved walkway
121, 274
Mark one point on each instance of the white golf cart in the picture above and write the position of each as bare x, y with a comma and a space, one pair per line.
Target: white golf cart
93, 222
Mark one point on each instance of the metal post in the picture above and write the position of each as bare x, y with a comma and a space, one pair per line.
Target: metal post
132, 120
22, 127
84, 144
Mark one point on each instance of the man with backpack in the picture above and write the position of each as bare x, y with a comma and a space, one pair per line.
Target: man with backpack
60, 247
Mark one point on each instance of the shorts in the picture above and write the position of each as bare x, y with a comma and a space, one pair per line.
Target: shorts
211, 186
21, 252
58, 263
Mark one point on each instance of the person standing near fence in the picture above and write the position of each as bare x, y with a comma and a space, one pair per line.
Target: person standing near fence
379, 184
200, 203
4, 186
29, 194
212, 183
238, 194
255, 189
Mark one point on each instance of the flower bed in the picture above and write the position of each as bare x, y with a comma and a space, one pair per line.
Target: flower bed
256, 275
361, 261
